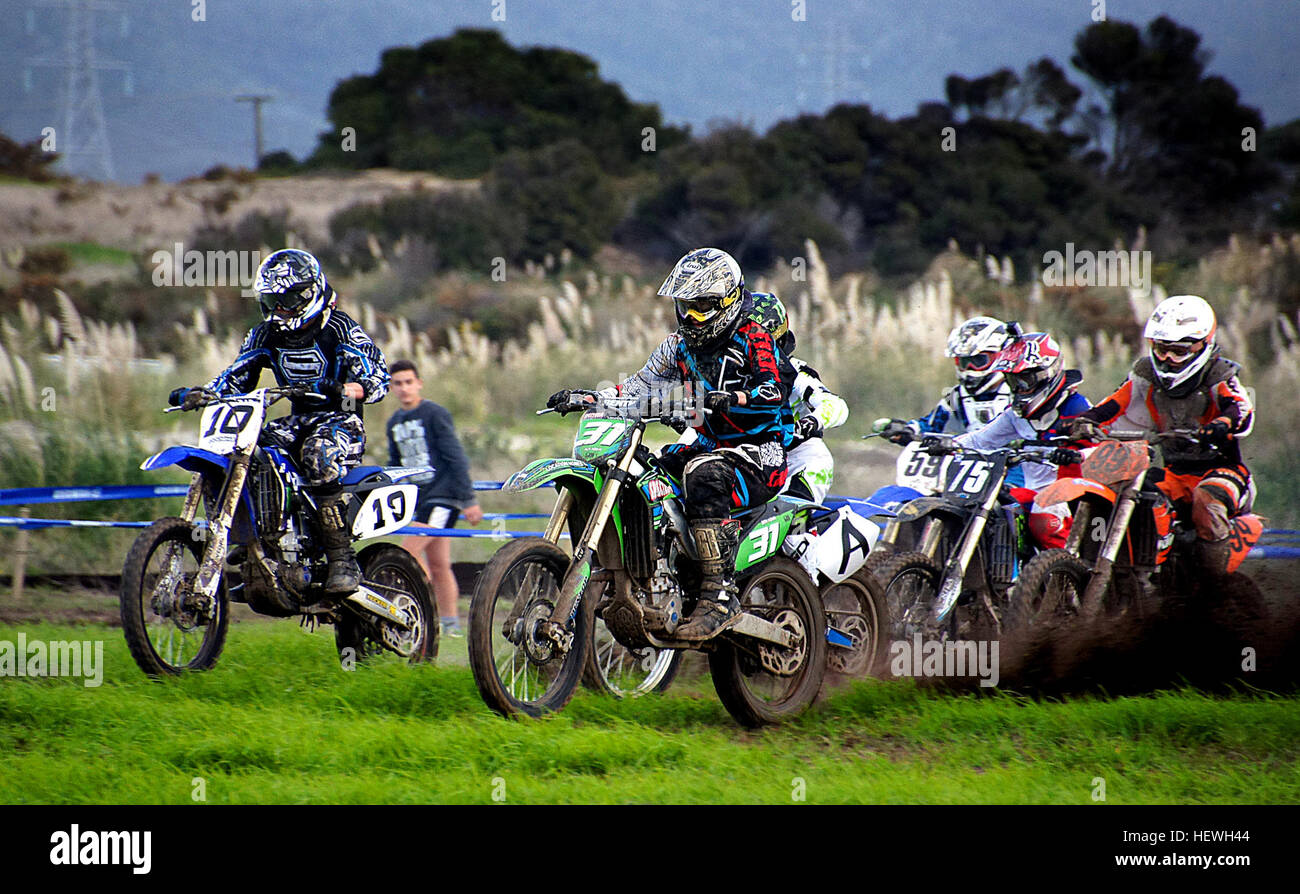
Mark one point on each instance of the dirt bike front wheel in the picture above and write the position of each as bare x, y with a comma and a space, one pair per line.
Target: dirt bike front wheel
856, 608
395, 575
760, 682
518, 669
168, 628
1048, 592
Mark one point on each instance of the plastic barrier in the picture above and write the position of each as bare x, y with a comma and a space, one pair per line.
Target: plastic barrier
1276, 543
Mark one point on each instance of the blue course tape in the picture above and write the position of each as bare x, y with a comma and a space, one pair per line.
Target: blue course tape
21, 496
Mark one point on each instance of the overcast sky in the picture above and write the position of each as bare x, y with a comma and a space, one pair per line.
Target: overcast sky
745, 60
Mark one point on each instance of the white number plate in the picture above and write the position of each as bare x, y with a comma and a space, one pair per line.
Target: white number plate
385, 510
920, 470
231, 425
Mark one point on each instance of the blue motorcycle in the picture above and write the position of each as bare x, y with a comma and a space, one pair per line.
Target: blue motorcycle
259, 542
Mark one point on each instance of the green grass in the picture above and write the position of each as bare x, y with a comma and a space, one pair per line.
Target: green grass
94, 253
277, 721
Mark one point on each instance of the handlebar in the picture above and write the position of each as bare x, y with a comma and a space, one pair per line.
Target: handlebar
271, 396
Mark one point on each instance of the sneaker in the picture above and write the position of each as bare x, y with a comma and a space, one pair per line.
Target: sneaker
453, 630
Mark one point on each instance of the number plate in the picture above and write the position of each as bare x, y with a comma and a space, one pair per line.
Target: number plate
231, 425
920, 470
385, 510
969, 477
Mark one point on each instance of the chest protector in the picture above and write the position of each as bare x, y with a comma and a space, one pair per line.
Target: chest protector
968, 412
1152, 409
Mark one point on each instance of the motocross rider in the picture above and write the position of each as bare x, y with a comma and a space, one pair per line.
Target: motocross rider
816, 408
1184, 383
980, 393
1044, 397
305, 340
738, 457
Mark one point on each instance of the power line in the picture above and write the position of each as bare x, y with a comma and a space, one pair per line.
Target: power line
84, 137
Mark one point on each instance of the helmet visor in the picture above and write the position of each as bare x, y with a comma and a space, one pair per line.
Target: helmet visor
976, 362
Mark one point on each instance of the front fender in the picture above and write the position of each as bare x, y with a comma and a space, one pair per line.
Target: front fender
1067, 490
544, 471
189, 458
920, 508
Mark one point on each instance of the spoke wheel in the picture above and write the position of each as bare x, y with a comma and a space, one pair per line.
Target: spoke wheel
910, 582
395, 575
615, 669
1048, 592
760, 682
167, 627
518, 669
856, 607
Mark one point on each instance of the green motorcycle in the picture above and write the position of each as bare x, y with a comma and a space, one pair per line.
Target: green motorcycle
634, 570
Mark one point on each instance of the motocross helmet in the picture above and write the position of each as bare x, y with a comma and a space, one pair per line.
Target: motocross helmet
769, 312
292, 291
707, 289
974, 347
1180, 340
1034, 369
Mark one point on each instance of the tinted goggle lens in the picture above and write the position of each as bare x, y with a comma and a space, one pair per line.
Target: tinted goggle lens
1175, 350
284, 301
976, 362
1023, 383
703, 306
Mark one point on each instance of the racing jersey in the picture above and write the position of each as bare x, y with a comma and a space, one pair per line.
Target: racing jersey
339, 350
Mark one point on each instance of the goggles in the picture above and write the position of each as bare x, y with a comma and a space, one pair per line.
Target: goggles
1176, 351
976, 362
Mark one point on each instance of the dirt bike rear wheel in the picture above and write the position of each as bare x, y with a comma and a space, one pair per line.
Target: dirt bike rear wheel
616, 670
164, 627
398, 577
741, 667
518, 670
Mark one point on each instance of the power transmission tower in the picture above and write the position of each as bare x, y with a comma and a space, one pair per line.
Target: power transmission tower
256, 100
83, 140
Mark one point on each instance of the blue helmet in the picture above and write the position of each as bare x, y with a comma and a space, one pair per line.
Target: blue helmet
292, 290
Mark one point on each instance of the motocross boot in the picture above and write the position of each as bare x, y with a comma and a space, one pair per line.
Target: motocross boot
716, 540
1212, 557
344, 573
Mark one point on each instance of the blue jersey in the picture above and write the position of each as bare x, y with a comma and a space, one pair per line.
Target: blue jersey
338, 350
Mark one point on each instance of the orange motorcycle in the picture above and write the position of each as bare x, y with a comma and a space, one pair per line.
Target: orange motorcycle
1127, 547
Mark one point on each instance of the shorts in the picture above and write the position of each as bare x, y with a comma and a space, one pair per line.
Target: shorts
436, 515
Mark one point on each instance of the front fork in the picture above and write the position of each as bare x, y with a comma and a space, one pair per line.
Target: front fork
955, 571
1104, 567
557, 629
218, 530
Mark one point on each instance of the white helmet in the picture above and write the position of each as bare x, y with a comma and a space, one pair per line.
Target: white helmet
1180, 339
974, 345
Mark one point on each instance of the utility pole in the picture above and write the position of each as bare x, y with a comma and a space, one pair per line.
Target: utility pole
256, 100
83, 142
